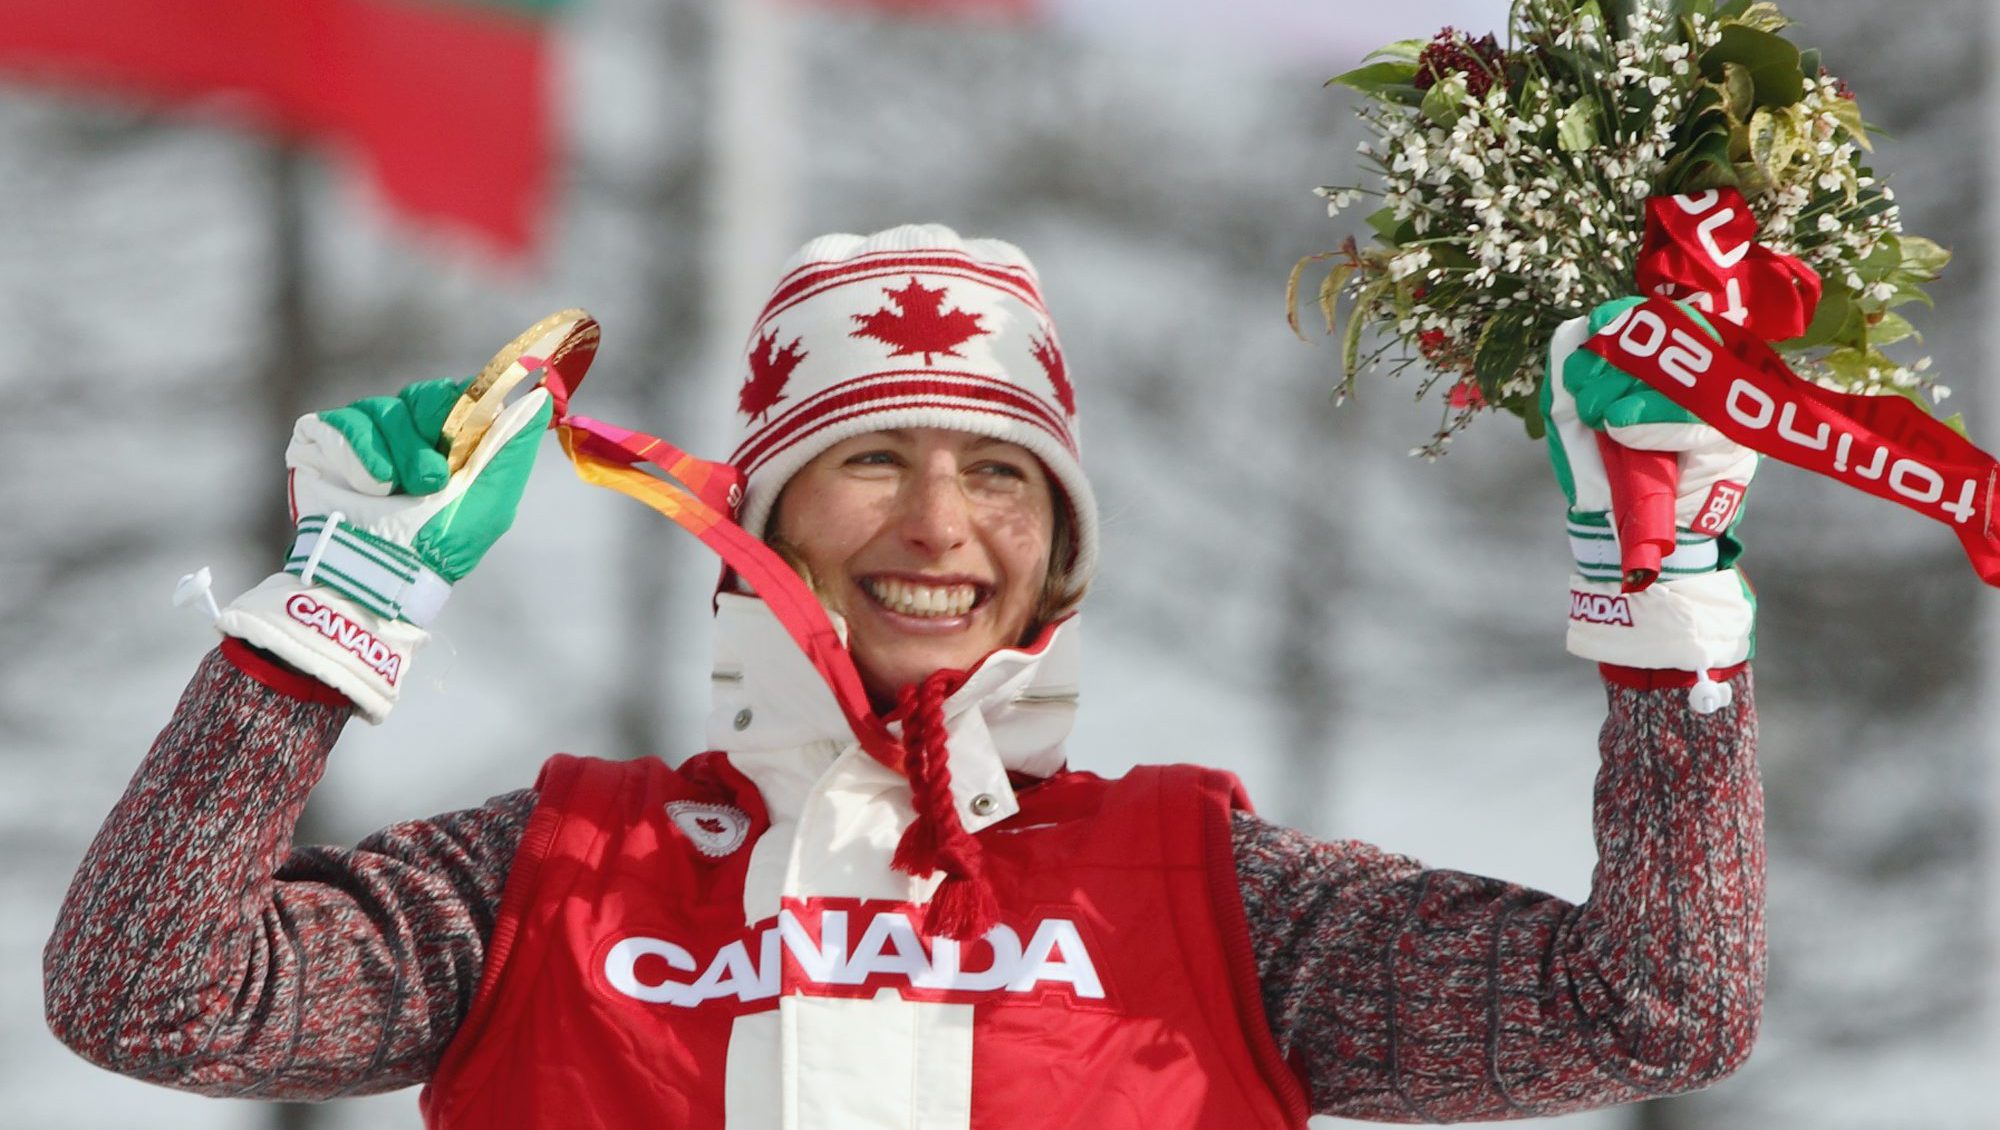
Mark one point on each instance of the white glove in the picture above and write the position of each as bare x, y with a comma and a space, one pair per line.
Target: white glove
1701, 614
384, 531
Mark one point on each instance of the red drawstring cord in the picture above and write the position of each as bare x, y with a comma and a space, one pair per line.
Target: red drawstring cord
963, 907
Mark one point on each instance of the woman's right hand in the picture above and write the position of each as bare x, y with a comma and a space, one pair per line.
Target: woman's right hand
384, 529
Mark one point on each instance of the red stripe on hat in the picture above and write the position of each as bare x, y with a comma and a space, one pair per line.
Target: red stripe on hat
1018, 275
874, 409
890, 382
824, 277
893, 386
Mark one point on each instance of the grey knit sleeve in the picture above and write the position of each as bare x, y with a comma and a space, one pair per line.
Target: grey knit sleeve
1407, 994
197, 948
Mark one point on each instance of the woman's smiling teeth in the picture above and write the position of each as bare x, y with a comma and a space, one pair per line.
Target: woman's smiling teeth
909, 598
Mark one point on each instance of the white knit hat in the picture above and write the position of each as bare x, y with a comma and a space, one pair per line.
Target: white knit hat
910, 327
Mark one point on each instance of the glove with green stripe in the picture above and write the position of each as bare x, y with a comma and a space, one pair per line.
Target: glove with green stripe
384, 529
1700, 615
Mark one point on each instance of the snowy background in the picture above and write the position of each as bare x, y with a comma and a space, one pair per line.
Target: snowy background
1372, 642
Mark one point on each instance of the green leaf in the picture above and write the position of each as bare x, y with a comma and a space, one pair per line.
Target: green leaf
1890, 329
1956, 422
1907, 293
1883, 261
1836, 310
1731, 9
1923, 257
1350, 346
1404, 49
1763, 16
1376, 78
1618, 15
1503, 348
1809, 63
1444, 102
1739, 91
1852, 366
1531, 418
1576, 126
1847, 112
1292, 291
1774, 141
1329, 292
1702, 164
1772, 60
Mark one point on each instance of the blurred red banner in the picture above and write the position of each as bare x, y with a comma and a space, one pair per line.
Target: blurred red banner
445, 102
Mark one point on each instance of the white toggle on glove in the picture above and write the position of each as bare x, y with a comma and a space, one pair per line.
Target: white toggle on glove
1700, 614
384, 530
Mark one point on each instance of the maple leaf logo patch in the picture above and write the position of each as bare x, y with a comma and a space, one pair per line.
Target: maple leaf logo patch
770, 368
1052, 364
714, 830
919, 324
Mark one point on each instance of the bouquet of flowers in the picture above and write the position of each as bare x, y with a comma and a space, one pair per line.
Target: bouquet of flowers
1513, 182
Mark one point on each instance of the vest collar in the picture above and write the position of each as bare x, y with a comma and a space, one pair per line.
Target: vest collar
775, 716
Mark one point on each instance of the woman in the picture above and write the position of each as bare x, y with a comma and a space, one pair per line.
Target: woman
787, 932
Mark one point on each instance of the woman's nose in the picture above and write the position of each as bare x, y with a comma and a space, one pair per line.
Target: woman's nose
936, 515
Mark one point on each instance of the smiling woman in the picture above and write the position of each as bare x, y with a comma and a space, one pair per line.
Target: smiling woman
941, 926
933, 546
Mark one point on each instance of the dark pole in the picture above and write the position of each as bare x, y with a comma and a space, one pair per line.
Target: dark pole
285, 382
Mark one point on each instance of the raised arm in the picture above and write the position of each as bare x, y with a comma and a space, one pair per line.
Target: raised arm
198, 949
1405, 994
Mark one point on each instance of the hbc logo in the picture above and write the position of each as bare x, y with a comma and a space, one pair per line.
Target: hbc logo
1724, 499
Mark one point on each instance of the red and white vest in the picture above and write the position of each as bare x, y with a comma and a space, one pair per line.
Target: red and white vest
724, 944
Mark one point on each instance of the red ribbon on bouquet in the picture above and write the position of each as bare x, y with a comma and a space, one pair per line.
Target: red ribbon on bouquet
1700, 249
1883, 445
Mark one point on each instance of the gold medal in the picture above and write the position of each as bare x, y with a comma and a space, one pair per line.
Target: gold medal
565, 340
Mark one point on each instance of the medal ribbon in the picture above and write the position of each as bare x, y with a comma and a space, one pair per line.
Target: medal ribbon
701, 497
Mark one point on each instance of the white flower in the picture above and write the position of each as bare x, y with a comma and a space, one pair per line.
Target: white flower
1827, 223
1409, 263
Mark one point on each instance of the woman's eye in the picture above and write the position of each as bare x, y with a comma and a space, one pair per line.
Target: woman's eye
872, 459
1001, 471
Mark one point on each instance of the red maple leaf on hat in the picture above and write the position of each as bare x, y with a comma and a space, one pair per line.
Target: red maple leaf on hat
920, 324
770, 368
713, 825
1052, 364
